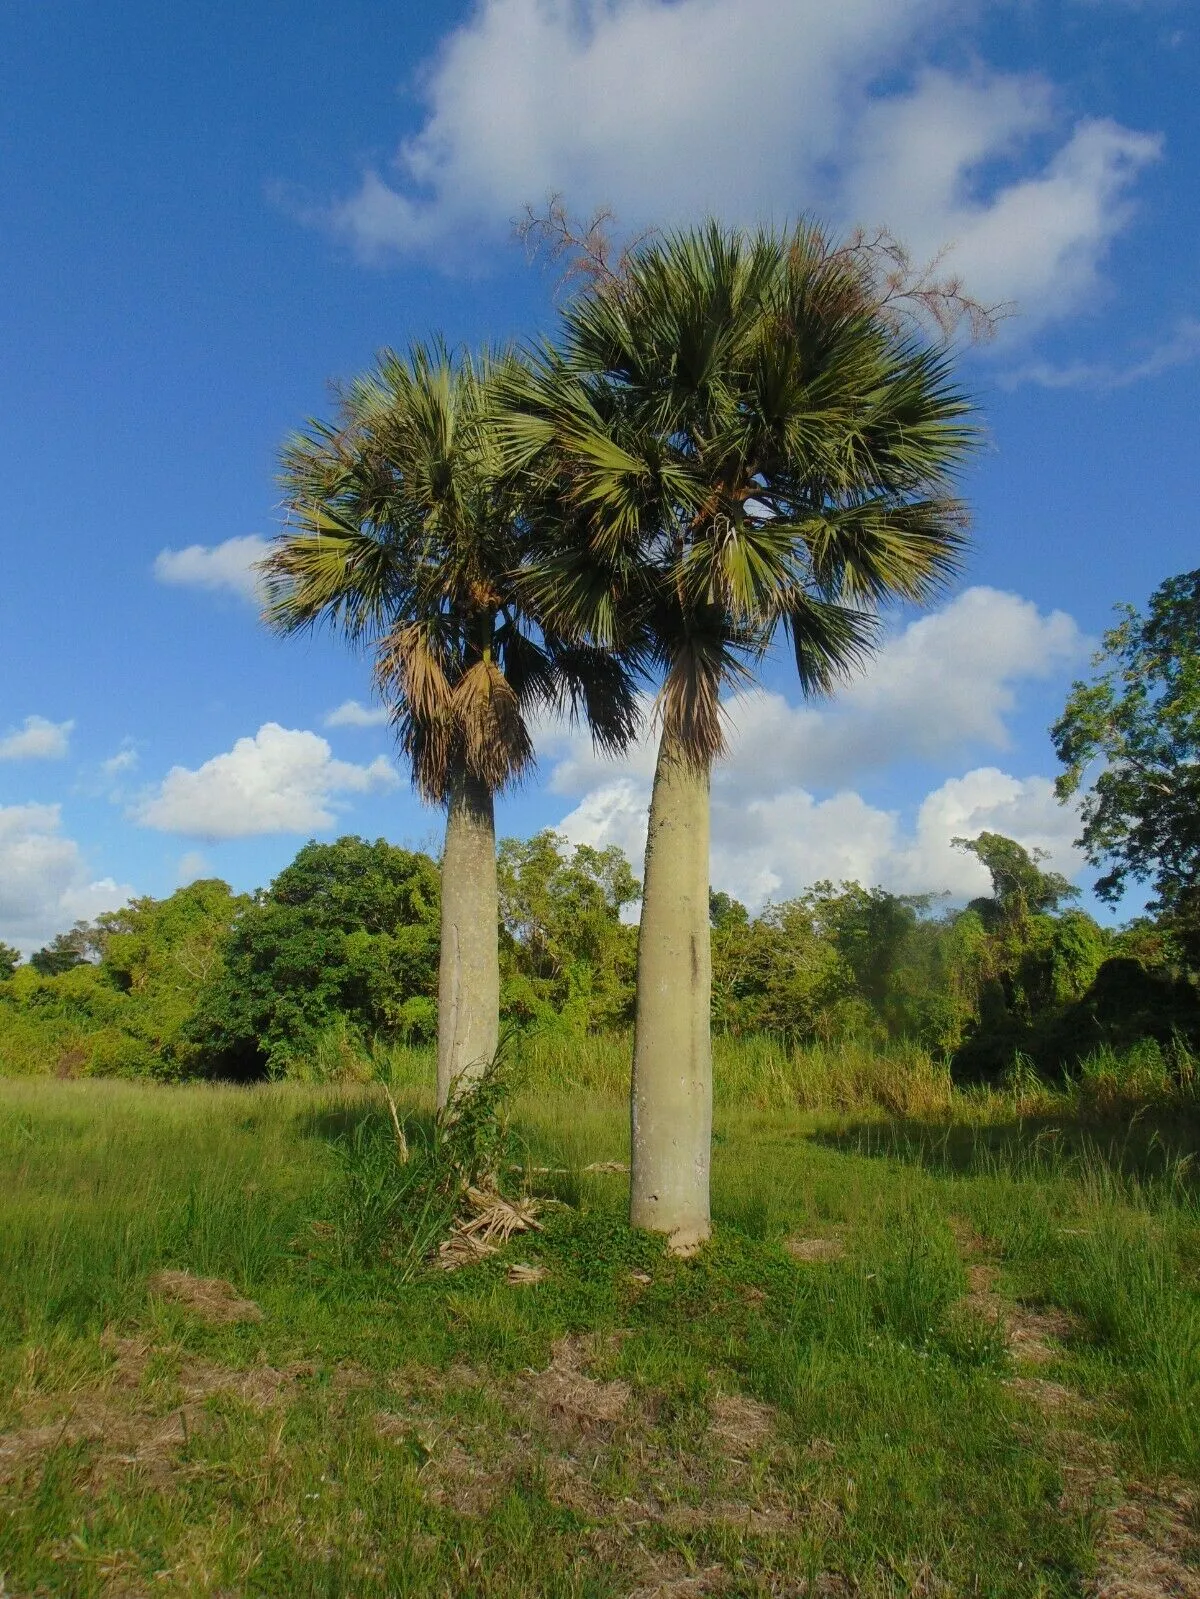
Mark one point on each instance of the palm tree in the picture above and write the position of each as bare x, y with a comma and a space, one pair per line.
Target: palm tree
403, 535
749, 440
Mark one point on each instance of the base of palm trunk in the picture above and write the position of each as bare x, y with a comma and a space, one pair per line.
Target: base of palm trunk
672, 1054
469, 965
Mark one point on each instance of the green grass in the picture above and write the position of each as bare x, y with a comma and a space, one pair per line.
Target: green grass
744, 1421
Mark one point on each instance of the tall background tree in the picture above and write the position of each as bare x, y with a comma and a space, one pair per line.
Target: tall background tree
1129, 741
749, 441
405, 536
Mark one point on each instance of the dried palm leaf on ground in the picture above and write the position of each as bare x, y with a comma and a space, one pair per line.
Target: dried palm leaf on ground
565, 1171
491, 1220
521, 1273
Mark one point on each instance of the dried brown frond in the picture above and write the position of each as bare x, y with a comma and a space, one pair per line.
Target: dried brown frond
521, 1274
410, 660
487, 722
689, 702
490, 1221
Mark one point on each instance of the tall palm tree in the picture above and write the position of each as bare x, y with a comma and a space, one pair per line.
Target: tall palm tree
749, 441
404, 536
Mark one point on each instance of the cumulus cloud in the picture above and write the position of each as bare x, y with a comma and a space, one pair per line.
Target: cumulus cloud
785, 808
229, 566
945, 683
772, 845
644, 104
36, 740
45, 885
282, 780
351, 714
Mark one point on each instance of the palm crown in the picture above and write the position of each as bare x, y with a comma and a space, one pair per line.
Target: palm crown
404, 536
746, 440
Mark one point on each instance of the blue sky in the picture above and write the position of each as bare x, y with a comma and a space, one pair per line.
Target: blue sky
213, 211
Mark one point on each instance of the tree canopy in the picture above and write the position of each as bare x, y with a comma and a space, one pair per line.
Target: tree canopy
345, 937
1129, 741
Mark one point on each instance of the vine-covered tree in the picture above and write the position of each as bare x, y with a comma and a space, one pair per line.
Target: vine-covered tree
1129, 741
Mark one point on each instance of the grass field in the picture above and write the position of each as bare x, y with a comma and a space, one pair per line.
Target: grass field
938, 1346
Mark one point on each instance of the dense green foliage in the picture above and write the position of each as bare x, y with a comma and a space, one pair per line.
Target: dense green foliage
345, 938
1138, 720
568, 960
337, 959
125, 1011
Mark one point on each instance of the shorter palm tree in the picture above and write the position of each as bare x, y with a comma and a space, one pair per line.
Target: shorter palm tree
405, 537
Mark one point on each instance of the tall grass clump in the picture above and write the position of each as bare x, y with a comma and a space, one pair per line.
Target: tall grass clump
399, 1189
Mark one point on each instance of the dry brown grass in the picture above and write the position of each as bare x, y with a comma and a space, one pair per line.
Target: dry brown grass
815, 1249
210, 1298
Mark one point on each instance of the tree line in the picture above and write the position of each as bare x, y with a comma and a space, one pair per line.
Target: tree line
339, 957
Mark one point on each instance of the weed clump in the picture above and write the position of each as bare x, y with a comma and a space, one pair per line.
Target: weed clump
406, 1196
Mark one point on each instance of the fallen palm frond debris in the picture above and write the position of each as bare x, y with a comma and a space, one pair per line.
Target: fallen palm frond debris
491, 1220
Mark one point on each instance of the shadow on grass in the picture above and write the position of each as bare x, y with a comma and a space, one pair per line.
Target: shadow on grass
1149, 1145
335, 1124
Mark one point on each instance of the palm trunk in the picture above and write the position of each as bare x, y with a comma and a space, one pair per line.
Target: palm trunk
672, 1050
469, 969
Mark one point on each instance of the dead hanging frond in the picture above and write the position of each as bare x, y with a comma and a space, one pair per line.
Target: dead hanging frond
688, 705
413, 674
907, 293
488, 725
584, 250
411, 662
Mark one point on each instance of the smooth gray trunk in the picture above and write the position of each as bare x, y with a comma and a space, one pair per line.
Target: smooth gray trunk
672, 1050
469, 969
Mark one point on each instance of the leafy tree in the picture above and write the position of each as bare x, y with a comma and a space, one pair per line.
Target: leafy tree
345, 935
10, 959
123, 1009
779, 973
747, 442
406, 536
568, 957
1020, 888
1129, 741
64, 951
173, 944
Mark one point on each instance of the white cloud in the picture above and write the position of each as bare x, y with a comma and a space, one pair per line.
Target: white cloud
945, 684
228, 566
351, 714
770, 846
192, 865
45, 885
1180, 348
125, 760
755, 109
37, 740
785, 811
280, 781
